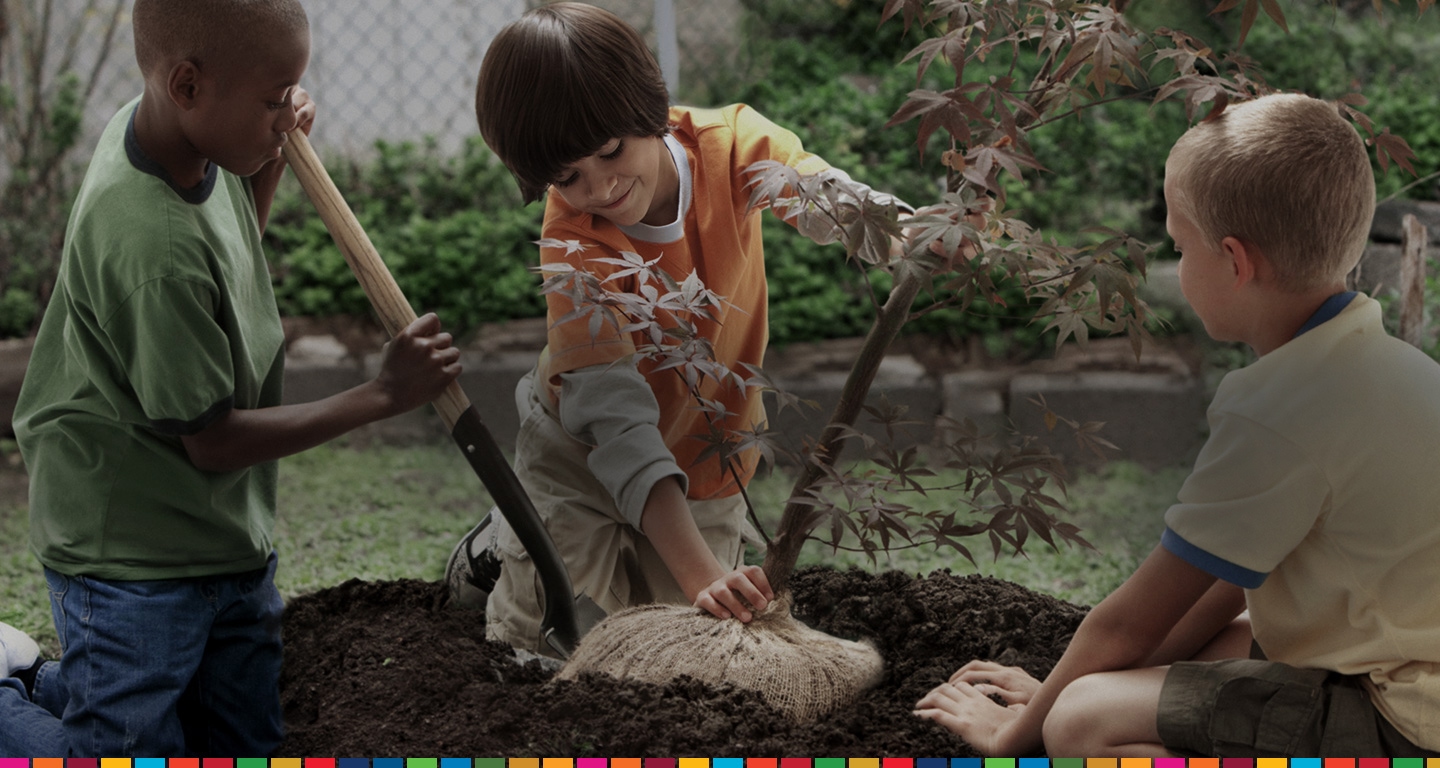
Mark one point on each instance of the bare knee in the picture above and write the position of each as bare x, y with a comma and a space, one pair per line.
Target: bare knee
1073, 724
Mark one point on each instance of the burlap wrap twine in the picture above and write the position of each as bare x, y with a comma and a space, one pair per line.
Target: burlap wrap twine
800, 671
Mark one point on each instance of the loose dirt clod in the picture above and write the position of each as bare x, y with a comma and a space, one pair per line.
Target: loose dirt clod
799, 671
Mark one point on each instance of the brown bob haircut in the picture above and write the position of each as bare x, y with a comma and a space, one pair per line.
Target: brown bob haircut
559, 83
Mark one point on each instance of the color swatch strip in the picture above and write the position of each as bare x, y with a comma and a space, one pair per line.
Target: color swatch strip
716, 762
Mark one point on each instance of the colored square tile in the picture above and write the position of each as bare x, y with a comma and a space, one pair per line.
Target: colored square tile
931, 762
755, 762
1237, 762
1138, 762
1407, 762
14, 762
1034, 762
728, 762
395, 762
790, 762
190, 762
1307, 762
524, 762
345, 762
113, 762
897, 762
830, 762
1101, 762
694, 762
1203, 762
864, 762
314, 762
213, 762
1079, 762
47, 762
557, 762
997, 762
82, 762
260, 762
1271, 762
410, 762
445, 762
275, 762
659, 762
1169, 762
975, 762
1374, 762
479, 762
1339, 762
586, 762
159, 762
626, 762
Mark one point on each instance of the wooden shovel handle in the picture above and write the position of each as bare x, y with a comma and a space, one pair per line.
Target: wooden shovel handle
384, 293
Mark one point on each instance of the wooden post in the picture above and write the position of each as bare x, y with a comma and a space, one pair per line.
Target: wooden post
1412, 281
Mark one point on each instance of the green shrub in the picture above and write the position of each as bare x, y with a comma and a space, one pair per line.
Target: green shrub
452, 230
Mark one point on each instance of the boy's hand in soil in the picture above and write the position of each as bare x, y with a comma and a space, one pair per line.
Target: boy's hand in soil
968, 712
735, 593
418, 364
1012, 684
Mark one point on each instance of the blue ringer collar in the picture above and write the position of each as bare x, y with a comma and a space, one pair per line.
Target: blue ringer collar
1327, 311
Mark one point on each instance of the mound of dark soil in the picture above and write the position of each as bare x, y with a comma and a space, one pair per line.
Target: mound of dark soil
388, 669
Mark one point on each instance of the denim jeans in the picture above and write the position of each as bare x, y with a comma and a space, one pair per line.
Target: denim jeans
170, 668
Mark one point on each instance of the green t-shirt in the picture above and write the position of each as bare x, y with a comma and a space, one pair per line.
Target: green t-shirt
163, 318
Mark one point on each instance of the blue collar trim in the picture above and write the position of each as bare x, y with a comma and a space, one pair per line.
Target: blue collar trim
1328, 310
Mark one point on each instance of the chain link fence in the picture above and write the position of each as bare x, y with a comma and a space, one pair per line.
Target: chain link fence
405, 69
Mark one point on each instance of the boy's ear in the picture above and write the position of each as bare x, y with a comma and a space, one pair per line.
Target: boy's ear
1245, 259
183, 84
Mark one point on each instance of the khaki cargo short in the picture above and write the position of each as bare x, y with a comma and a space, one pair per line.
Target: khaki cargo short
1259, 708
605, 556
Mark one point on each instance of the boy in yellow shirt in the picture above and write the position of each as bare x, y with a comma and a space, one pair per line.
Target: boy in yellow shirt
1290, 608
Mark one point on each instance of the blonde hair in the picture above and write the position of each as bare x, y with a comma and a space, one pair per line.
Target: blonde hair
1285, 173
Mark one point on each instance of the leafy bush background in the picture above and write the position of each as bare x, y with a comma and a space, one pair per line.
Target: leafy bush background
454, 232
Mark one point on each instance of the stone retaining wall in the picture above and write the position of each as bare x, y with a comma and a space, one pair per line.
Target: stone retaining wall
1153, 409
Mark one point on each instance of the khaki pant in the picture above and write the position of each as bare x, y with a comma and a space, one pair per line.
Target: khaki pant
606, 557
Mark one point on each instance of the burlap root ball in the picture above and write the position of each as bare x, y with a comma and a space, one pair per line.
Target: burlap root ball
800, 671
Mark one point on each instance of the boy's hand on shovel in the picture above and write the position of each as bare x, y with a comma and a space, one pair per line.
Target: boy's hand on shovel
418, 364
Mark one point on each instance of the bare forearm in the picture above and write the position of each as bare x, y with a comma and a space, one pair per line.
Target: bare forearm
243, 438
670, 527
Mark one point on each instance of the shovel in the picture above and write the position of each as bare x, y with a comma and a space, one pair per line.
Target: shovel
566, 617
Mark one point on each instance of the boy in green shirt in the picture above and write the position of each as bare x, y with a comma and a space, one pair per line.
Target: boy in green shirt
150, 418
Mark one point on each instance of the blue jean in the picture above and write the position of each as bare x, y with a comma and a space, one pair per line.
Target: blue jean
171, 668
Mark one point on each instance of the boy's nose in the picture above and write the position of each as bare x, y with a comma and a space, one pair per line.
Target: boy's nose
287, 120
603, 187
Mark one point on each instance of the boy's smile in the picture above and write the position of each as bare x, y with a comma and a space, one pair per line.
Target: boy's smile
627, 181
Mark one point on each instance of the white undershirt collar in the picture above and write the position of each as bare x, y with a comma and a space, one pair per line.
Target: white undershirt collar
675, 230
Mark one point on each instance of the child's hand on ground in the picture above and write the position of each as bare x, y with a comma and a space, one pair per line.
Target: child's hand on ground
729, 595
418, 364
1012, 684
966, 709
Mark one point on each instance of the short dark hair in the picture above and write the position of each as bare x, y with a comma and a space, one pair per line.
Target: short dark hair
560, 82
201, 30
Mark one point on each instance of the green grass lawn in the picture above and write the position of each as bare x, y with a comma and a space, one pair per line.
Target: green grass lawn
387, 512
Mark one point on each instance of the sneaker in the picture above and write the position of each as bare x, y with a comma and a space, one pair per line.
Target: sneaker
474, 564
17, 650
